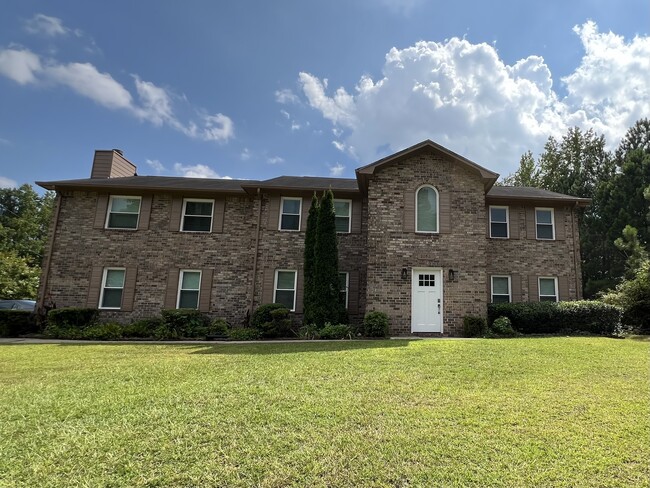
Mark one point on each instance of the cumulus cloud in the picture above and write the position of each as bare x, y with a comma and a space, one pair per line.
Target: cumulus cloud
154, 104
46, 25
336, 170
275, 160
198, 171
465, 97
286, 96
7, 182
245, 154
156, 165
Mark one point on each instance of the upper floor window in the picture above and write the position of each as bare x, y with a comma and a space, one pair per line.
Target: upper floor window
290, 209
123, 212
499, 222
189, 286
344, 286
548, 289
112, 288
343, 211
544, 222
285, 288
197, 215
501, 289
426, 210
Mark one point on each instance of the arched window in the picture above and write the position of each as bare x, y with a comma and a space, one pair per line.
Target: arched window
426, 209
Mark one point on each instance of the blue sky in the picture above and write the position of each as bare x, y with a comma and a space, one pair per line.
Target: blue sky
256, 89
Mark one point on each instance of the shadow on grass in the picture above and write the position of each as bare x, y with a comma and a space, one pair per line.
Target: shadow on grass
296, 347
642, 338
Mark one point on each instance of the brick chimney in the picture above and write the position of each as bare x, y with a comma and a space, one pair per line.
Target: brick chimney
111, 163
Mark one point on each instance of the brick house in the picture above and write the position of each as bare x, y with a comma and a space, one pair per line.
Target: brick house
423, 236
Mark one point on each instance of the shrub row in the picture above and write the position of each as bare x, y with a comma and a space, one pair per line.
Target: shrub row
14, 323
551, 317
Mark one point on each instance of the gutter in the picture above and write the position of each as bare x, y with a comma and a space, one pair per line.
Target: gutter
45, 272
257, 245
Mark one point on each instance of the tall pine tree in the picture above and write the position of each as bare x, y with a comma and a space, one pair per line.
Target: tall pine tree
309, 291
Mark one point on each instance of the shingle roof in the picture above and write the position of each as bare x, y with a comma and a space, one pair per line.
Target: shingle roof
529, 193
308, 183
152, 183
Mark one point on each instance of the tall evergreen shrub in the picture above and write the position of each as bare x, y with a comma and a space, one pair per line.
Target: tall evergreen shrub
326, 275
309, 291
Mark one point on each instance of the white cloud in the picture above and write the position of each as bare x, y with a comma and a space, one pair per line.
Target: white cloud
198, 171
336, 170
19, 65
404, 7
7, 182
46, 25
286, 96
245, 154
463, 96
156, 165
275, 160
218, 127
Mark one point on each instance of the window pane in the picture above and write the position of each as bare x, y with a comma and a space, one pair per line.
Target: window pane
547, 299
123, 221
197, 224
198, 208
114, 278
342, 224
547, 286
427, 209
342, 209
191, 280
112, 298
291, 207
544, 217
498, 230
286, 280
285, 297
188, 299
119, 204
290, 222
500, 286
500, 299
498, 214
544, 231
343, 281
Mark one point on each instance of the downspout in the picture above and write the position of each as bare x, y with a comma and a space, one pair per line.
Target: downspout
257, 244
45, 272
575, 252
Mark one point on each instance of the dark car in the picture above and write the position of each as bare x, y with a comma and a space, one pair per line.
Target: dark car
18, 305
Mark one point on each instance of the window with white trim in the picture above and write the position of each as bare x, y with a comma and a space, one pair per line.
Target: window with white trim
285, 288
197, 215
290, 209
544, 223
501, 289
343, 213
426, 210
123, 212
499, 217
189, 289
547, 289
344, 286
112, 288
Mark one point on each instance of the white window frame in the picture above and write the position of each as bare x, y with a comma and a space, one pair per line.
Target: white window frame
539, 288
108, 212
437, 231
552, 210
295, 286
492, 288
507, 222
347, 288
183, 214
101, 293
282, 200
349, 216
180, 284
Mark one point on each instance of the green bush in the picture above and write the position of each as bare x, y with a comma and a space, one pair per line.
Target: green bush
551, 317
77, 318
309, 331
271, 320
142, 329
375, 324
14, 323
182, 322
244, 334
103, 332
502, 327
474, 326
335, 331
218, 327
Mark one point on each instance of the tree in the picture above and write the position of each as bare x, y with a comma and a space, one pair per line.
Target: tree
326, 270
526, 175
18, 279
309, 291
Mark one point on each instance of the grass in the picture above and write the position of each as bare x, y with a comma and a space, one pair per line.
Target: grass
519, 412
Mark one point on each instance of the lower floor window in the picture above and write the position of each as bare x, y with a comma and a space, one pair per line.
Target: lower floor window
501, 289
548, 289
112, 288
344, 284
188, 289
285, 288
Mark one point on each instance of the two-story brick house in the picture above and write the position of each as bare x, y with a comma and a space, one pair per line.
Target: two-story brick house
423, 236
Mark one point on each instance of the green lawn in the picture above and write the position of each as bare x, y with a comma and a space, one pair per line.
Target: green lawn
520, 412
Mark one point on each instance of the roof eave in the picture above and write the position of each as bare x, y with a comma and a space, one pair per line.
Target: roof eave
580, 202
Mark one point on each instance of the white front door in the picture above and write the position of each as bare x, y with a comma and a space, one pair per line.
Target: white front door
426, 300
